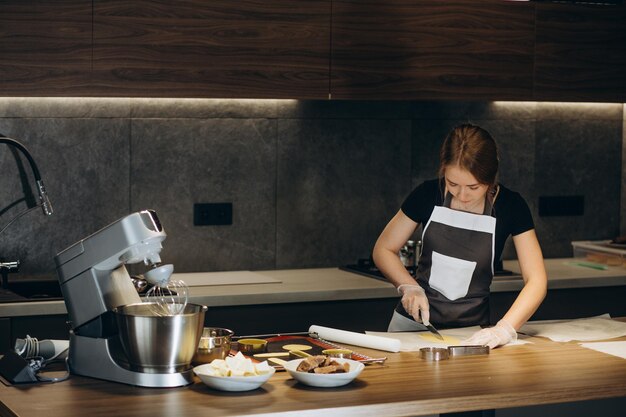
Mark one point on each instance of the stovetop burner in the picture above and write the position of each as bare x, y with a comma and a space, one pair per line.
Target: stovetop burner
368, 268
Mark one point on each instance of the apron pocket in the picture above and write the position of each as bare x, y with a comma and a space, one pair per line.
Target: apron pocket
450, 276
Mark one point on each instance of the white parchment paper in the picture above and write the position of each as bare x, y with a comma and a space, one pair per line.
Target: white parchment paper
611, 348
583, 330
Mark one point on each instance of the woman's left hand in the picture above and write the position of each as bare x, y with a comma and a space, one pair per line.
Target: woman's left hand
501, 334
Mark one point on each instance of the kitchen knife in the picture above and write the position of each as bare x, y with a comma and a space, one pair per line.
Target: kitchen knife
434, 331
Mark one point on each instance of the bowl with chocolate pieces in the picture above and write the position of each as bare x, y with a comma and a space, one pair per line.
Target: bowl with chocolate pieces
324, 371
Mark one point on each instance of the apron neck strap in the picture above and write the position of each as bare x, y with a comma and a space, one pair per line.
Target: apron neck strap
488, 205
492, 194
490, 200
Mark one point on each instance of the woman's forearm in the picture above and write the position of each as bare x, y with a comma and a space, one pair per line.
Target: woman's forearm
526, 303
389, 263
535, 279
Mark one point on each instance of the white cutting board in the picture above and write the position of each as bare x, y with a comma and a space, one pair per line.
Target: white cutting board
201, 279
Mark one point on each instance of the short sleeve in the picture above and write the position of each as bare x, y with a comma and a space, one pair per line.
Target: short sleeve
418, 206
522, 219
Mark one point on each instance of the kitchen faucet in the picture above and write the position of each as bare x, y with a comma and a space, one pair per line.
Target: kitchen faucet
44, 202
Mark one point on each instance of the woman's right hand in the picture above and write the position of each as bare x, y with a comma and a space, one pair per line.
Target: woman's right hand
415, 302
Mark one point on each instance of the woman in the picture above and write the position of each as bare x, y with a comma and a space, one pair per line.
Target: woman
466, 217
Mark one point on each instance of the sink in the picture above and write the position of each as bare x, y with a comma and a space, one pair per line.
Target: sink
7, 296
28, 288
34, 289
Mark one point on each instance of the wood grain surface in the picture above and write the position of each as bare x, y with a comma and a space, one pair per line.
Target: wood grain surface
402, 49
310, 49
45, 48
539, 373
580, 52
219, 49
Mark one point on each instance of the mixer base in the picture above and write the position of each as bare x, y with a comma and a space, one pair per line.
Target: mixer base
95, 358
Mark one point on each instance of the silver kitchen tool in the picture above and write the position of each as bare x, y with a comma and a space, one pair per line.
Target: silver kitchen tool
468, 350
215, 343
166, 297
169, 299
434, 353
434, 331
139, 282
96, 287
408, 254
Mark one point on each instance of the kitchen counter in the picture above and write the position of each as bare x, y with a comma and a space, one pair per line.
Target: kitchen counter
543, 372
333, 284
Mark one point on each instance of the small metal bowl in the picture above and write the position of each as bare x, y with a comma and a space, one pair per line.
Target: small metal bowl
338, 353
215, 343
434, 353
251, 346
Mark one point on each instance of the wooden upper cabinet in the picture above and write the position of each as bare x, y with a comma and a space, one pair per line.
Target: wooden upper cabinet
308, 49
580, 53
45, 47
430, 49
216, 48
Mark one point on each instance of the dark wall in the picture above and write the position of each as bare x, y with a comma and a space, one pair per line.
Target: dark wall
312, 182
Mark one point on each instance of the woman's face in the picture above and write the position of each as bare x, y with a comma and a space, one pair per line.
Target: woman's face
464, 187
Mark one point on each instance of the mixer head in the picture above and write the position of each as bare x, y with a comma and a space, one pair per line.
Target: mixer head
146, 251
92, 272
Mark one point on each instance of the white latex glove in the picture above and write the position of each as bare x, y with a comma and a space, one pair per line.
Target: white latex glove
415, 302
501, 334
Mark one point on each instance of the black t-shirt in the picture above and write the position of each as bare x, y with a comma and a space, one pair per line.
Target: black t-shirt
512, 214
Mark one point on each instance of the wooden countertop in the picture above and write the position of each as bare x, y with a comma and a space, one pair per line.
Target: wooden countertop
540, 373
333, 284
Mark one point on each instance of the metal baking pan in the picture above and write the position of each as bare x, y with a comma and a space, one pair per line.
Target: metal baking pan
468, 350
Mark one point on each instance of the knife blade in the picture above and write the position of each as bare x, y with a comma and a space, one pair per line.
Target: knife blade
434, 331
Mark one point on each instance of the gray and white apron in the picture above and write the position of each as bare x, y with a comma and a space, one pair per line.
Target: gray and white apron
455, 268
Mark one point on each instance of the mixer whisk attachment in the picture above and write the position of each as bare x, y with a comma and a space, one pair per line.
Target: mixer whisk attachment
169, 299
166, 297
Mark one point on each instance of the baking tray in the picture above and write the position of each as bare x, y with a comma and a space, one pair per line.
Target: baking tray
600, 252
276, 342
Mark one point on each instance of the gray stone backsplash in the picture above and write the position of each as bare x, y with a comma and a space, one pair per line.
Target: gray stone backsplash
312, 183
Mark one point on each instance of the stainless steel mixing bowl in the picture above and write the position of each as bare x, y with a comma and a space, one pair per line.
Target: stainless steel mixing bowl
159, 344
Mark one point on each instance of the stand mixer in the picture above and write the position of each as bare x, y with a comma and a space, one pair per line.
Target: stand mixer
114, 336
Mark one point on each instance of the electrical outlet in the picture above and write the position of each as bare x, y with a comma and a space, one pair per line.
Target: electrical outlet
567, 205
212, 214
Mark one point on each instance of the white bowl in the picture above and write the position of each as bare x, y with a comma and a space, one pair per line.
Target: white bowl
325, 380
232, 383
